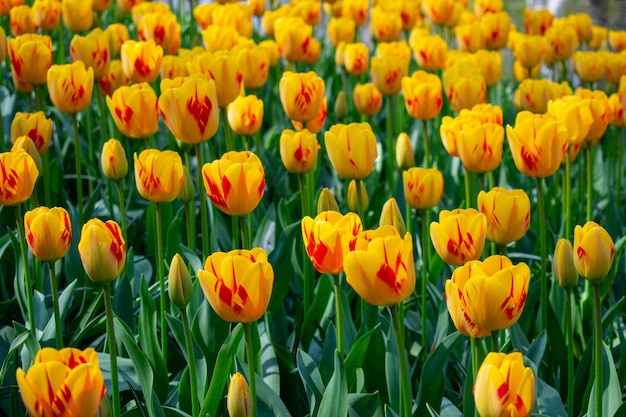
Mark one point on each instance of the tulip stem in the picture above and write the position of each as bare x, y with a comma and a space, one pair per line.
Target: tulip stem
61, 49
390, 147
115, 395
228, 134
568, 195
251, 365
589, 180
55, 306
245, 236
204, 223
475, 365
338, 315
45, 161
426, 143
306, 264
92, 154
191, 360
468, 198
406, 397
79, 178
542, 248
620, 162
29, 285
159, 260
192, 24
598, 347
120, 198
359, 200
424, 241
494, 341
570, 352
104, 128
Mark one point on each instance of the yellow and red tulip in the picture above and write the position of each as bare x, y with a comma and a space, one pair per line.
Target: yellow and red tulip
356, 58
298, 150
223, 68
254, 64
70, 86
423, 187
77, 15
589, 65
158, 175
118, 35
594, 252
422, 95
245, 115
459, 237
302, 95
239, 398
31, 57
163, 28
351, 149
599, 105
48, 232
141, 60
47, 14
507, 212
495, 29
21, 20
430, 52
480, 147
34, 125
135, 110
340, 29
537, 22
18, 174
387, 73
113, 79
102, 250
113, 160
563, 264
368, 100
93, 50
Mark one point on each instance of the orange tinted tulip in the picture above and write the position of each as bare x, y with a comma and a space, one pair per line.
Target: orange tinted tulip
21, 20
70, 86
245, 115
317, 124
387, 74
599, 106
367, 99
158, 175
254, 64
422, 95
77, 15
141, 60
302, 95
163, 28
356, 58
34, 125
102, 250
589, 65
93, 50
47, 14
537, 22
459, 237
298, 150
617, 40
113, 79
31, 57
495, 30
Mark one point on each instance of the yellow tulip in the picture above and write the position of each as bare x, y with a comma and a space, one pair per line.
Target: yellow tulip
272, 48
440, 12
18, 174
562, 41
239, 398
298, 150
430, 52
459, 237
77, 14
464, 90
451, 128
589, 65
118, 35
113, 160
423, 187
495, 29
34, 125
486, 7
480, 148
238, 284
135, 110
599, 105
617, 40
102, 250
387, 74
422, 95
141, 60
254, 64
47, 14
353, 196
113, 79
616, 111
31, 57
368, 100
218, 38
245, 115
598, 39
614, 67
163, 28
594, 252
223, 68
537, 22
21, 20
356, 58
404, 151
356, 10
529, 50
563, 264
173, 66
70, 86
326, 201
158, 175
490, 66
293, 37
575, 114
581, 22
522, 73
179, 283
302, 95
48, 232
386, 26
340, 29
507, 212
469, 37
533, 95
93, 50
351, 149
100, 5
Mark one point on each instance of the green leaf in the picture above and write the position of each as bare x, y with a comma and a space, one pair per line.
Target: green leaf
335, 399
269, 403
365, 405
611, 390
282, 276
269, 364
312, 380
150, 342
356, 356
548, 400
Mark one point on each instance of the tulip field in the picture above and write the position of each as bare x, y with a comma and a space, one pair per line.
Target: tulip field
400, 208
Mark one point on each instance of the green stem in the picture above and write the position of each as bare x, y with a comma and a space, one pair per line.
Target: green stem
406, 397
598, 347
228, 133
390, 148
90, 163
426, 143
120, 199
620, 162
251, 365
567, 204
409, 223
192, 362
104, 127
235, 233
61, 45
55, 306
424, 241
494, 341
115, 395
204, 222
79, 177
245, 235
162, 295
589, 153
306, 264
39, 99
570, 352
542, 248
338, 315
45, 160
359, 201
490, 179
468, 198
475, 365
481, 182
27, 278
192, 24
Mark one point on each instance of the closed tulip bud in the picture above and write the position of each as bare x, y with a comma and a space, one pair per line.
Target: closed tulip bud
258, 7
575, 114
353, 196
18, 175
459, 237
598, 39
163, 28
100, 5
239, 399
245, 115
93, 50
48, 232
328, 238
102, 250
135, 110
113, 160
563, 264
451, 129
141, 60
593, 252
186, 193
31, 57
430, 52
293, 37
351, 149
464, 91
70, 86
238, 284
495, 29
298, 150
301, 95
599, 105
189, 108
118, 35
538, 144
404, 152
326, 201
590, 65
617, 40
507, 212
26, 144
390, 215
341, 106
368, 100
340, 29
179, 282
223, 68
47, 14
158, 175
422, 95
254, 64
504, 386
340, 54
34, 125
480, 148
356, 58
313, 51
77, 14
113, 79
387, 74
423, 187
537, 22
21, 20
235, 182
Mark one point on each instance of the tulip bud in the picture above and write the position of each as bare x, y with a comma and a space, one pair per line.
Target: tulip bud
326, 201
353, 196
563, 264
341, 106
102, 250
594, 252
390, 215
113, 160
27, 145
179, 282
239, 401
404, 152
186, 193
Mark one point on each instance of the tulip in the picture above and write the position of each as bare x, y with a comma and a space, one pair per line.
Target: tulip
143, 8
158, 175
507, 213
113, 79
404, 152
484, 112
127, 5
617, 40
529, 50
239, 399
615, 67
495, 29
113, 160
218, 38
328, 237
423, 187
272, 48
173, 66
245, 115
317, 124
533, 95
26, 144
616, 111
469, 37
387, 74
235, 183
48, 233
100, 5
31, 56
575, 114
356, 58
34, 125
593, 252
203, 14
459, 237
351, 149
102, 250
357, 203
355, 10
599, 36
504, 386
522, 73
486, 7
135, 110
118, 35
301, 95
326, 201
298, 150
46, 14
293, 37
340, 29
21, 20
341, 106
398, 49
179, 282
464, 91
77, 14
93, 50
480, 148
254, 64
385, 26
238, 284
70, 87
223, 68
18, 174
490, 66
562, 41
141, 60
162, 28
440, 12
599, 105
60, 387
422, 95
563, 264
236, 16
189, 108
537, 22
368, 100
538, 144
589, 65
582, 24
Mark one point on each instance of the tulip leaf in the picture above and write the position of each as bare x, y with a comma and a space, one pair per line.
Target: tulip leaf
448, 409
277, 257
548, 401
125, 368
335, 399
611, 389
123, 300
209, 332
269, 404
537, 348
269, 364
365, 405
432, 412
315, 318
609, 315
392, 370
356, 356
583, 378
389, 411
24, 337
311, 379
